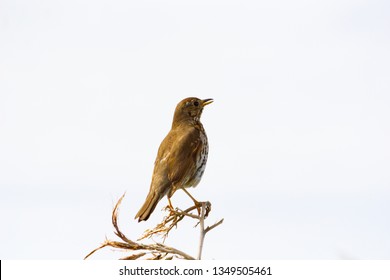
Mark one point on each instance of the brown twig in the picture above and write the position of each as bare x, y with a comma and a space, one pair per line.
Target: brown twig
158, 251
169, 222
155, 251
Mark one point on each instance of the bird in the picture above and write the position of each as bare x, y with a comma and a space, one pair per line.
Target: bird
181, 158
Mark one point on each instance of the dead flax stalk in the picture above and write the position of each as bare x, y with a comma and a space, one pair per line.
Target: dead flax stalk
158, 250
206, 206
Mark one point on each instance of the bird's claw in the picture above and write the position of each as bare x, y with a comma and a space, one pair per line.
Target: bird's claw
199, 206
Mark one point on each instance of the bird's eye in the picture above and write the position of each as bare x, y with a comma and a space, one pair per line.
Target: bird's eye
196, 103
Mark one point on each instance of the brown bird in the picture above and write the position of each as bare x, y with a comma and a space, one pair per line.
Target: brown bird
181, 158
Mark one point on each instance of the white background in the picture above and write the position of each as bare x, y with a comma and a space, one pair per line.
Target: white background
299, 131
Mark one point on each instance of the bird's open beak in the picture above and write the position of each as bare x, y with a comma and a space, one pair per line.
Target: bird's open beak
207, 101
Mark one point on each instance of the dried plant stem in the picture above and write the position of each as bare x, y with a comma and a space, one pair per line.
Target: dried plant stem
158, 251
203, 213
202, 232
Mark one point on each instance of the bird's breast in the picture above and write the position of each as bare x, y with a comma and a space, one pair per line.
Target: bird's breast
201, 160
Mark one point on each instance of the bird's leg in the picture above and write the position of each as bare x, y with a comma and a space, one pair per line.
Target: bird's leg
170, 205
197, 203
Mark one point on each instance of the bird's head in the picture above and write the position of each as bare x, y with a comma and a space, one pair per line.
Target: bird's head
190, 109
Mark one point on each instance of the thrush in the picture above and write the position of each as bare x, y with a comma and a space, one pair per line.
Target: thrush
181, 158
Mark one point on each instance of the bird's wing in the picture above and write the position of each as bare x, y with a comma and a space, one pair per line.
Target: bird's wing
183, 157
176, 161
160, 181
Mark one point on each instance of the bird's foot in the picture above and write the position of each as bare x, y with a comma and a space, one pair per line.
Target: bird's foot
205, 204
198, 206
171, 210
208, 208
169, 206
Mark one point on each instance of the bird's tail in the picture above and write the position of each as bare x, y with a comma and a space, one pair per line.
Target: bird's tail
148, 207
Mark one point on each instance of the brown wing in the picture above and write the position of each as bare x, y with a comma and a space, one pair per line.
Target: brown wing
174, 167
176, 161
182, 161
160, 184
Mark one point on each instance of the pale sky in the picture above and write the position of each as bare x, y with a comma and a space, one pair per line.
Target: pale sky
299, 130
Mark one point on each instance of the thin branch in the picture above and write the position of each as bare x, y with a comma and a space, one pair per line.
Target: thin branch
158, 251
206, 207
202, 232
213, 226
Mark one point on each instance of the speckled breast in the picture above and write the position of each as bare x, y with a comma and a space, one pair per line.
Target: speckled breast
201, 159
